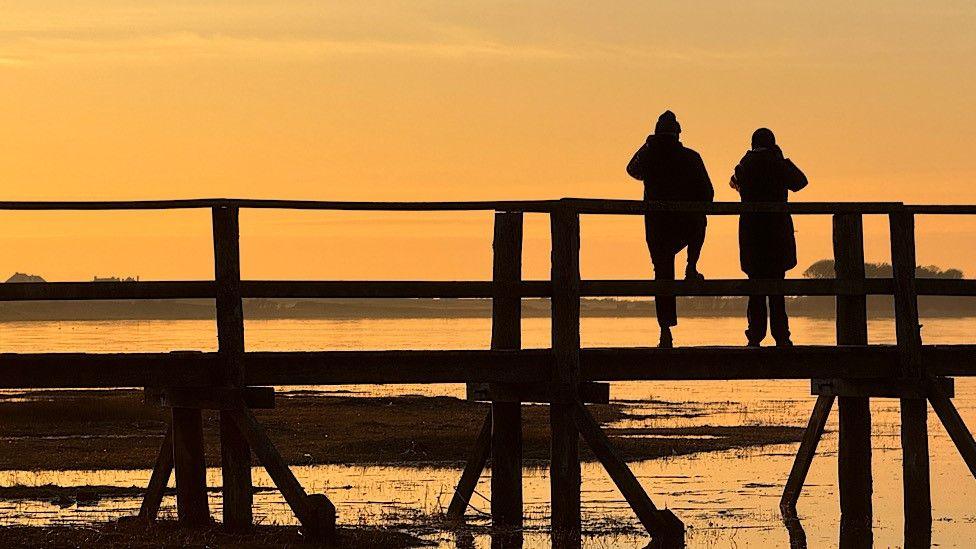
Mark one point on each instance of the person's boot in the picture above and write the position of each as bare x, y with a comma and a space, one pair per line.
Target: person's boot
784, 342
667, 342
752, 341
691, 273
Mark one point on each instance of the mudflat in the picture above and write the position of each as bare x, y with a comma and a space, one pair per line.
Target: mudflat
59, 430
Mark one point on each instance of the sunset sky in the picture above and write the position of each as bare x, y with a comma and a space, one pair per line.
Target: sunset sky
419, 100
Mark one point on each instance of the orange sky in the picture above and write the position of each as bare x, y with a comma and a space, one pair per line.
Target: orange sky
419, 100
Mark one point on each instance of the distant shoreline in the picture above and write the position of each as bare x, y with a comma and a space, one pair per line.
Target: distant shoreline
363, 309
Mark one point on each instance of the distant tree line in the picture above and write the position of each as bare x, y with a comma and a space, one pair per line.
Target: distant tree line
825, 269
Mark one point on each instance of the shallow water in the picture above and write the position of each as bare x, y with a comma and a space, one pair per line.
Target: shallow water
726, 498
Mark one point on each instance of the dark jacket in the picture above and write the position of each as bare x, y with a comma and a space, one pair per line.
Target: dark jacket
670, 172
766, 241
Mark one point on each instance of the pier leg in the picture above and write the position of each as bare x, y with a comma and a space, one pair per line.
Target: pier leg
506, 465
805, 454
506, 422
564, 476
666, 529
235, 457
954, 425
915, 471
472, 471
191, 468
854, 472
162, 470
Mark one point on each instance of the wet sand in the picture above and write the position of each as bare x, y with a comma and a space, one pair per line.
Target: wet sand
116, 430
167, 534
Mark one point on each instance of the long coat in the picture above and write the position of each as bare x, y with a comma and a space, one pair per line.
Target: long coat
670, 172
767, 245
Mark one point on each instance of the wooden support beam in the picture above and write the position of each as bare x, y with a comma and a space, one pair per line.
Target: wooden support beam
210, 398
162, 470
914, 412
316, 513
953, 424
663, 526
880, 388
564, 467
235, 455
192, 508
590, 392
506, 334
472, 471
804, 455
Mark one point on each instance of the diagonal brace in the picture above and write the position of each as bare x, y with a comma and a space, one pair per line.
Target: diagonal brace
662, 525
162, 470
472, 471
805, 454
953, 423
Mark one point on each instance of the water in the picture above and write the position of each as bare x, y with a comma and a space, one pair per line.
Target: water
726, 498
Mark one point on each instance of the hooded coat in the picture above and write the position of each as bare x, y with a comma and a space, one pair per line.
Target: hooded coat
671, 172
766, 241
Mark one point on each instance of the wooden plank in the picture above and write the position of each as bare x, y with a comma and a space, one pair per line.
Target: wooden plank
539, 206
945, 287
472, 471
235, 454
87, 291
94, 370
190, 464
665, 530
317, 516
883, 388
506, 334
162, 470
590, 392
734, 287
405, 289
564, 468
902, 235
953, 424
804, 455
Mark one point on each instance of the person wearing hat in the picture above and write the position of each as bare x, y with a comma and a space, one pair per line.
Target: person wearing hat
671, 172
767, 246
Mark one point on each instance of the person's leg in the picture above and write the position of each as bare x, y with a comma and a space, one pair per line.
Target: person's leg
756, 315
779, 323
665, 305
696, 240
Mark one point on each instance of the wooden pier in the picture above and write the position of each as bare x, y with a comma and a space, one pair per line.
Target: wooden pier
566, 377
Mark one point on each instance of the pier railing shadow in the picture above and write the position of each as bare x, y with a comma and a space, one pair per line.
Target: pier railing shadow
566, 376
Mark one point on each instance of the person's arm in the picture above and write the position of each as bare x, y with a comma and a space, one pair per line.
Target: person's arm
736, 181
795, 179
704, 182
635, 168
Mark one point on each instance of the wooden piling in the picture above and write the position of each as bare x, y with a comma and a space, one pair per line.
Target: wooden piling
854, 444
914, 412
564, 475
506, 334
235, 454
192, 508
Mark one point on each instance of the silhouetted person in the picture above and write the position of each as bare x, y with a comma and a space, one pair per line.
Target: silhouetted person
671, 172
767, 247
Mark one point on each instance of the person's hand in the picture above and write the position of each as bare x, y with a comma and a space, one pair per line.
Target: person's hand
734, 184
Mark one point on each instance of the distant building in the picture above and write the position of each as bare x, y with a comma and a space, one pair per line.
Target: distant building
22, 277
115, 279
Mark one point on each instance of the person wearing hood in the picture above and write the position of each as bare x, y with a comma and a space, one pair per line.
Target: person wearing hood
767, 246
671, 172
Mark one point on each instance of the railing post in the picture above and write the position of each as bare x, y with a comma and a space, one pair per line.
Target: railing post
854, 445
914, 430
564, 452
235, 454
506, 334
